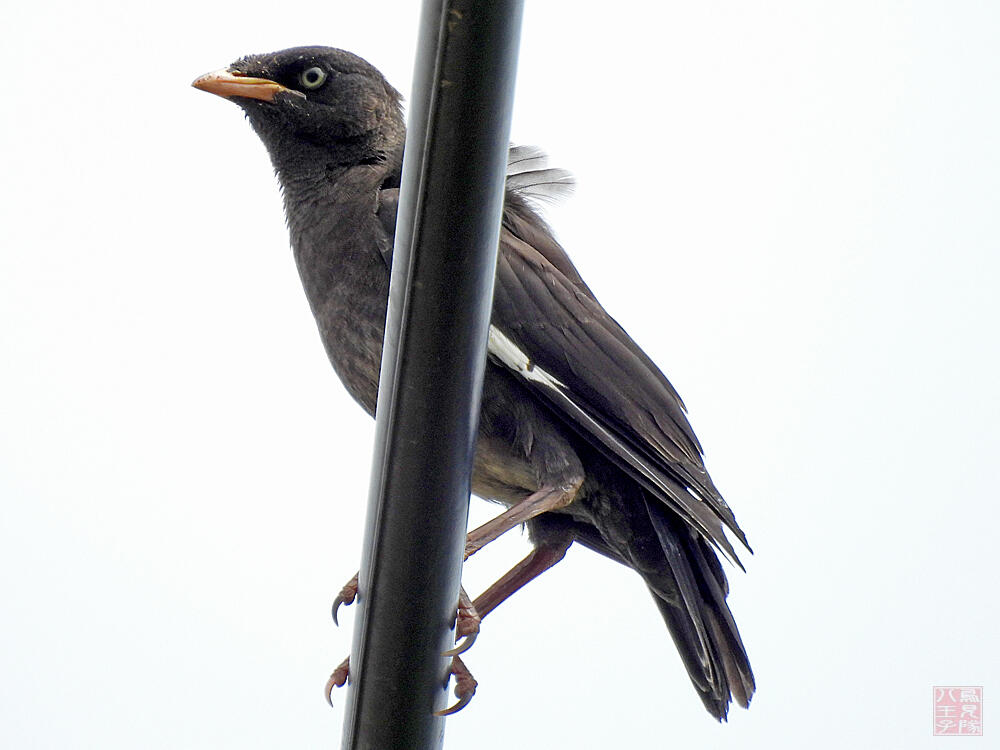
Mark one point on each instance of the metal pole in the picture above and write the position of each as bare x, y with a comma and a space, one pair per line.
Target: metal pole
432, 369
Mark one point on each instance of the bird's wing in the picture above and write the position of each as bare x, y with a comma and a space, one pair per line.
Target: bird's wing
549, 328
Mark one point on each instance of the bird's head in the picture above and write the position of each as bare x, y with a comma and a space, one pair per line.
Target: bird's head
314, 103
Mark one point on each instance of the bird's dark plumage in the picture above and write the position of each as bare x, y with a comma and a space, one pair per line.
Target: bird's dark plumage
570, 402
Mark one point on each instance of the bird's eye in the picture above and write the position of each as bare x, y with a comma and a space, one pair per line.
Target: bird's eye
312, 78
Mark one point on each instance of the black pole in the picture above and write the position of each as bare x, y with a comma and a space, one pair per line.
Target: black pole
432, 371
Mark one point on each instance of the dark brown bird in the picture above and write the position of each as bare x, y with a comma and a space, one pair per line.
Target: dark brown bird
581, 436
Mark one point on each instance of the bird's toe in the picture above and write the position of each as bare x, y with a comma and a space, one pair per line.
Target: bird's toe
337, 679
465, 687
345, 597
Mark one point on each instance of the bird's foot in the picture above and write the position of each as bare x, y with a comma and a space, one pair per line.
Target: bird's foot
345, 597
337, 679
465, 684
465, 687
467, 622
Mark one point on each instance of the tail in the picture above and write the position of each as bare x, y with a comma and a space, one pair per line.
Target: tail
697, 615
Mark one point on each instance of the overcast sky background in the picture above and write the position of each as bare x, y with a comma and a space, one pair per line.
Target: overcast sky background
792, 206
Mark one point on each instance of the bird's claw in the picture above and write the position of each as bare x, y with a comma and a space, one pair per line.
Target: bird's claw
465, 684
346, 597
337, 679
465, 687
463, 645
467, 621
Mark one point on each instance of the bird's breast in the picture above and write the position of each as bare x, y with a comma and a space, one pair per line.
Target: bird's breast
347, 284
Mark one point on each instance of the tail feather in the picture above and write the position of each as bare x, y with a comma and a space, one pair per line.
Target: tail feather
721, 621
699, 619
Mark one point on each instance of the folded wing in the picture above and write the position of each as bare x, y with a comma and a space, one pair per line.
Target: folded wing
598, 379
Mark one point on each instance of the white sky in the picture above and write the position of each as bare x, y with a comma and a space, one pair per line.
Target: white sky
793, 206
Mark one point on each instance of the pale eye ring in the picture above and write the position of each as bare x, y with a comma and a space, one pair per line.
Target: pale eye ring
312, 78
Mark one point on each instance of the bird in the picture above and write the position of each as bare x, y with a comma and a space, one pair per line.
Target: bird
581, 437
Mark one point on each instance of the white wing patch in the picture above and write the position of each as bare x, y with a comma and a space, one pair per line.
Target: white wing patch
507, 352
681, 499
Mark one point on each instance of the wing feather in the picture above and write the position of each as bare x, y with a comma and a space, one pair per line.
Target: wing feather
609, 388
598, 379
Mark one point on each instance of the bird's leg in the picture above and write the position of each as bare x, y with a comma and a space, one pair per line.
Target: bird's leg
467, 620
540, 559
469, 616
470, 613
542, 501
